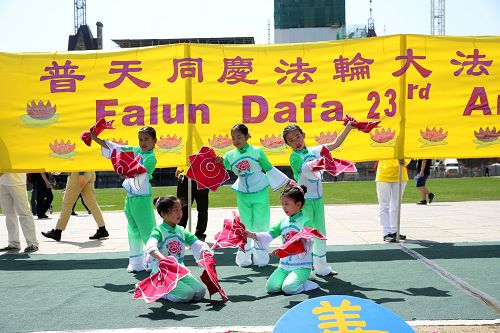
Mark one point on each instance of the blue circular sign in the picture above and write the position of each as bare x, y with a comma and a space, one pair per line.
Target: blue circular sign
343, 314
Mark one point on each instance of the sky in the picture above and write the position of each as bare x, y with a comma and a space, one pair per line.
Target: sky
44, 25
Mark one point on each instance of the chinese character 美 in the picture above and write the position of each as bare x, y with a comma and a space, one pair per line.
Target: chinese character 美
236, 70
301, 69
473, 63
187, 67
410, 60
62, 78
125, 73
342, 318
358, 68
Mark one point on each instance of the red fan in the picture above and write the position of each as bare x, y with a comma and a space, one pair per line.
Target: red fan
295, 244
97, 129
209, 275
205, 170
161, 283
363, 126
334, 166
127, 164
232, 234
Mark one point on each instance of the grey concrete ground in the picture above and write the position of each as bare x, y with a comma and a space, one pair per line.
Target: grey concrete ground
443, 222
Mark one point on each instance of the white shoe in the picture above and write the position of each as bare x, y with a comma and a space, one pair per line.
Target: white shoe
244, 259
310, 285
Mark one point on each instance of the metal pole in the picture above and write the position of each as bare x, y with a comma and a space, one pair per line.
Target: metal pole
190, 195
400, 177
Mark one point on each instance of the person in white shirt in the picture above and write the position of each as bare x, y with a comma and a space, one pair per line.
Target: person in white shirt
16, 208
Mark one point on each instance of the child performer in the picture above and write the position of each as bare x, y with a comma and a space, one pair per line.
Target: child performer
138, 206
169, 239
314, 207
248, 163
293, 271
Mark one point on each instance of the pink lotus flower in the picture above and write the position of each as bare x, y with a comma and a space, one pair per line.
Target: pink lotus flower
120, 141
487, 135
243, 165
325, 138
169, 142
273, 141
174, 247
434, 135
383, 135
62, 148
220, 142
40, 111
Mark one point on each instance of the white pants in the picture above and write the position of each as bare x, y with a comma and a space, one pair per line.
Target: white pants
14, 202
387, 194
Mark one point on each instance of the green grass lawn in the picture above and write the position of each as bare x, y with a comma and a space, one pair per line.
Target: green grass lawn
357, 192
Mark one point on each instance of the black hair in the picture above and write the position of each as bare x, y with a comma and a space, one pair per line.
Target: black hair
241, 128
296, 193
149, 130
165, 204
289, 129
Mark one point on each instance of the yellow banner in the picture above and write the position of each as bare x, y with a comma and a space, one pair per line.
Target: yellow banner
435, 96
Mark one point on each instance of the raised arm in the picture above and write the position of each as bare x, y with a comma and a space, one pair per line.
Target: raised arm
99, 141
340, 139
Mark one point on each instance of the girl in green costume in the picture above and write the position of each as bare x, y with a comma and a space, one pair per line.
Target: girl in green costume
138, 203
293, 271
170, 239
301, 161
255, 174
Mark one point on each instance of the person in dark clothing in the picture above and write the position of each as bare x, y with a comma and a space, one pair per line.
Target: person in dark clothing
423, 172
201, 197
43, 192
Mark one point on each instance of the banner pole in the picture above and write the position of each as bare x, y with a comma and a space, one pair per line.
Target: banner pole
400, 195
189, 139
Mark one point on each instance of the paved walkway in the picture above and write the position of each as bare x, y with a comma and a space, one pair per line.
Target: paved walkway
443, 222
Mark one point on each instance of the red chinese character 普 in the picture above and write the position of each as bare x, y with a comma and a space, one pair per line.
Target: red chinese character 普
62, 78
300, 70
236, 70
187, 68
477, 66
410, 60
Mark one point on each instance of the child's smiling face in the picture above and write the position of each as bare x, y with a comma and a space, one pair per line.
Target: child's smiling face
295, 139
146, 141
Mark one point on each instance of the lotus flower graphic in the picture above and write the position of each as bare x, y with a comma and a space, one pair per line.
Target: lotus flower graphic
487, 137
40, 114
325, 138
120, 141
433, 137
170, 144
64, 150
221, 143
383, 138
273, 144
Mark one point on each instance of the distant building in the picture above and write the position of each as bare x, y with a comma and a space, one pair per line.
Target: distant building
308, 20
83, 39
128, 43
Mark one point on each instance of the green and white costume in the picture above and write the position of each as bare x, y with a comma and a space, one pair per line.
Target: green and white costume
172, 241
139, 208
293, 271
301, 162
255, 174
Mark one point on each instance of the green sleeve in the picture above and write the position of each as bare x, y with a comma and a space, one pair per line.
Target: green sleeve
296, 164
127, 148
226, 164
156, 233
264, 161
275, 230
150, 164
189, 237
